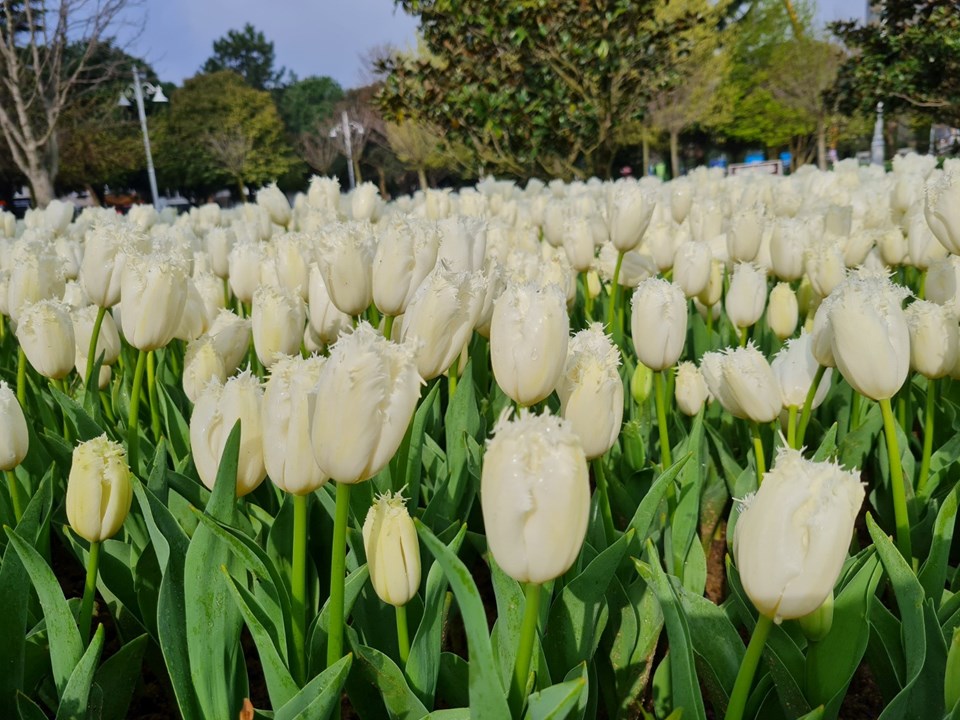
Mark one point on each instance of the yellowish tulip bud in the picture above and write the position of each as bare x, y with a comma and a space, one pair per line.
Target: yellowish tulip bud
99, 489
393, 553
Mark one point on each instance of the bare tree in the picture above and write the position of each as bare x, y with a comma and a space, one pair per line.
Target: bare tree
230, 148
320, 150
48, 57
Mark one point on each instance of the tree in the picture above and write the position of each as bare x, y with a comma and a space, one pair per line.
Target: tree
249, 54
40, 78
220, 131
531, 88
701, 63
908, 59
305, 103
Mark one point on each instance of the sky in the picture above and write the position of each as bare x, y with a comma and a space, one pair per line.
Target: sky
311, 37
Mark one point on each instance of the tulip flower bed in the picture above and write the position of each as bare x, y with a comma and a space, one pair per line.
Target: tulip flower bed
584, 450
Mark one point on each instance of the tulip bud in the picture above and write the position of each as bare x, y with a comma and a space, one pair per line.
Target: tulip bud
691, 389
641, 383
289, 401
951, 684
345, 259
231, 338
942, 209
933, 339
277, 318
364, 202
893, 246
216, 411
291, 254
795, 368
658, 323
393, 552
787, 247
441, 317
209, 298
272, 199
593, 284
578, 242
463, 243
710, 295
922, 244
824, 264
244, 265
528, 341
108, 340
782, 311
102, 265
661, 242
496, 282
220, 242
691, 267
154, 291
35, 274
943, 284
681, 198
816, 626
792, 537
591, 392
746, 232
14, 439
326, 319
869, 335
45, 332
406, 253
743, 382
535, 496
366, 395
630, 208
201, 364
747, 295
99, 489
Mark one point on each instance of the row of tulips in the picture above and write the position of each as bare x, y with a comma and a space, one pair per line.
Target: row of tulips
605, 367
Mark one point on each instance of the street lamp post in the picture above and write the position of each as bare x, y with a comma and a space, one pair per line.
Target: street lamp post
346, 125
137, 90
876, 145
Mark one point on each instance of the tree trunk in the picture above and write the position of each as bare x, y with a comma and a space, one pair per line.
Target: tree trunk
821, 144
242, 190
94, 196
356, 171
646, 157
422, 176
674, 154
382, 176
41, 185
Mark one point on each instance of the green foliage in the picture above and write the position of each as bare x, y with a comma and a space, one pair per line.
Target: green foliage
910, 59
303, 104
220, 131
532, 87
248, 53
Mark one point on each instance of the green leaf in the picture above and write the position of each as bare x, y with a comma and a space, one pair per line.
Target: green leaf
556, 702
632, 633
487, 696
87, 428
505, 637
28, 709
383, 674
647, 510
832, 661
856, 446
409, 459
933, 574
319, 630
579, 614
75, 697
828, 446
118, 677
319, 697
924, 648
212, 621
453, 681
66, 646
14, 587
685, 690
280, 684
177, 429
423, 664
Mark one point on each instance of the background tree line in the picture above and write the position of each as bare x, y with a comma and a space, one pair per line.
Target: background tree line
567, 88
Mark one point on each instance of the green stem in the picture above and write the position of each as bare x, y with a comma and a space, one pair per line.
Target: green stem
896, 482
152, 395
133, 438
15, 496
661, 402
902, 408
744, 331
614, 293
403, 635
388, 327
709, 323
928, 418
792, 427
92, 352
528, 631
89, 589
748, 668
587, 299
922, 292
603, 500
758, 452
855, 412
808, 405
21, 377
337, 568
452, 379
298, 589
226, 292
